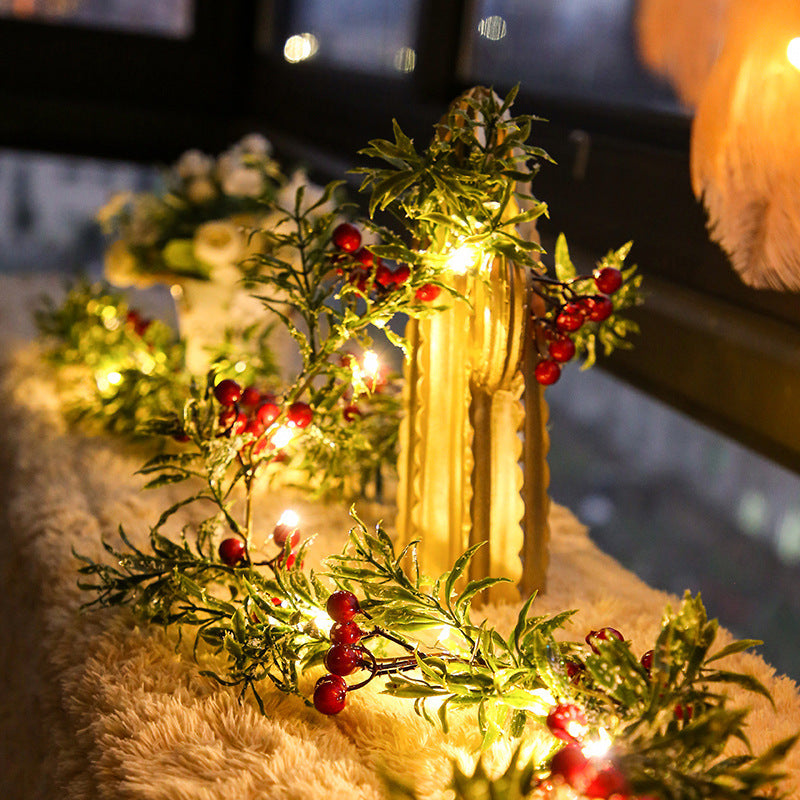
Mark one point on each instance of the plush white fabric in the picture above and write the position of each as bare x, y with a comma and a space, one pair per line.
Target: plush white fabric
95, 706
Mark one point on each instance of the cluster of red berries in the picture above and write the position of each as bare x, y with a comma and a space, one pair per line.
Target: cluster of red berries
364, 269
595, 777
249, 411
345, 655
591, 777
233, 550
567, 319
139, 323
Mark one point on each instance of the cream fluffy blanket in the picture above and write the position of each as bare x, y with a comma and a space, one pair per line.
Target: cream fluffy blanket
95, 706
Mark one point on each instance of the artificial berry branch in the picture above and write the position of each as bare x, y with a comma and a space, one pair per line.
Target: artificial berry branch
663, 717
465, 201
571, 314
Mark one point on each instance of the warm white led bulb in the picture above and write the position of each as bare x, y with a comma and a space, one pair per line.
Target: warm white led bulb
289, 518
282, 436
462, 258
599, 747
371, 364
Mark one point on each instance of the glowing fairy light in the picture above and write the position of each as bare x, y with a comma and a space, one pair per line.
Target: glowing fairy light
793, 52
322, 621
105, 380
462, 259
282, 436
289, 519
599, 747
371, 365
176, 290
240, 366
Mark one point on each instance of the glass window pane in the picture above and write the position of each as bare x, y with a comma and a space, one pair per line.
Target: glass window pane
168, 18
681, 506
572, 49
359, 35
48, 205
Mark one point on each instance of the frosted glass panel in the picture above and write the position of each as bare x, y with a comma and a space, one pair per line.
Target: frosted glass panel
168, 18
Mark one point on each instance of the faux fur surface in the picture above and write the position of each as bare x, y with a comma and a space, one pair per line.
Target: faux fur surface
94, 706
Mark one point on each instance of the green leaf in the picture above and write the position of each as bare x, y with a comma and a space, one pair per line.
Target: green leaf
733, 648
565, 269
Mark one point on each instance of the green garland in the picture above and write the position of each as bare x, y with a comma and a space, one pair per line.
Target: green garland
664, 716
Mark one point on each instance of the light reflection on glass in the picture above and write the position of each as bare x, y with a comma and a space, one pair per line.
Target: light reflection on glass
493, 28
300, 47
405, 59
361, 35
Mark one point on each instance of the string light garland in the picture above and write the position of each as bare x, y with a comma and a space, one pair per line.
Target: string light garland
603, 718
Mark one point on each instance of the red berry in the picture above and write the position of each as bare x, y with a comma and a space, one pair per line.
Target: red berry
253, 426
251, 397
227, 392
181, 437
342, 606
347, 237
567, 722
607, 280
330, 694
602, 308
608, 782
343, 659
603, 635
365, 257
345, 633
684, 713
547, 372
351, 412
647, 661
561, 349
299, 415
573, 766
267, 413
239, 423
281, 533
428, 292
384, 276
575, 671
231, 551
570, 318
401, 274
232, 421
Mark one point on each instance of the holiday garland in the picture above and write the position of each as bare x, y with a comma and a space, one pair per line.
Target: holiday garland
594, 719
